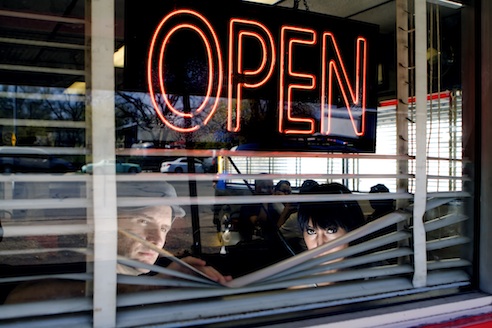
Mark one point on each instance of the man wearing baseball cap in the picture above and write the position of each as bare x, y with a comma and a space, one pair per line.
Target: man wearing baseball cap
152, 224
142, 233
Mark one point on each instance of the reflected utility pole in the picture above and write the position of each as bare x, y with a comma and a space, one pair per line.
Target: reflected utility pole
13, 138
195, 217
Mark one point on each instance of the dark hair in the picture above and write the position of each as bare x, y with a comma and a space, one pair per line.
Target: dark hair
307, 185
345, 214
381, 204
280, 183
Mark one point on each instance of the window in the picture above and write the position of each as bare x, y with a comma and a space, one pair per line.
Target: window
84, 168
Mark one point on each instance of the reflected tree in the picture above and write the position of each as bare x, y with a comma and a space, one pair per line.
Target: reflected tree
42, 104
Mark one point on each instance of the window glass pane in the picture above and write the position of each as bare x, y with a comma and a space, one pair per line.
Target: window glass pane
311, 227
42, 149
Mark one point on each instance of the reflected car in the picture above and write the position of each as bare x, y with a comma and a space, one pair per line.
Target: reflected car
210, 165
143, 145
32, 160
120, 166
180, 165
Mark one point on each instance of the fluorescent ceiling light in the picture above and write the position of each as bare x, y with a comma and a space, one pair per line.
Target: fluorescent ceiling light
266, 2
119, 58
447, 3
77, 88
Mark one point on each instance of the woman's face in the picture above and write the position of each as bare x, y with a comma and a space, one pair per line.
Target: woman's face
317, 236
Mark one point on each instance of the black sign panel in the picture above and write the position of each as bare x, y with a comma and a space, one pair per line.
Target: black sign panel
225, 73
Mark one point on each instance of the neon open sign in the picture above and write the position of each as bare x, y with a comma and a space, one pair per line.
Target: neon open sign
313, 74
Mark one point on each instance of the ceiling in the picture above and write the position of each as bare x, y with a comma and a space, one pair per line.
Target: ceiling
16, 56
380, 12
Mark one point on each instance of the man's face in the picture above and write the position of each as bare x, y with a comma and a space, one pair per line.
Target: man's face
264, 187
317, 236
151, 224
284, 189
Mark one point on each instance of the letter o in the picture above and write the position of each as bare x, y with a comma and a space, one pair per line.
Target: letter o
163, 32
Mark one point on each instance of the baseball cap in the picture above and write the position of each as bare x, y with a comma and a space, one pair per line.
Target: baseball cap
149, 189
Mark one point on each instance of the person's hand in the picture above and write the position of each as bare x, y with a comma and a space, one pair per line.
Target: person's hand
290, 208
202, 266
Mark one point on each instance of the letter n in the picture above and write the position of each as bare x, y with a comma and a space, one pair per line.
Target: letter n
353, 94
